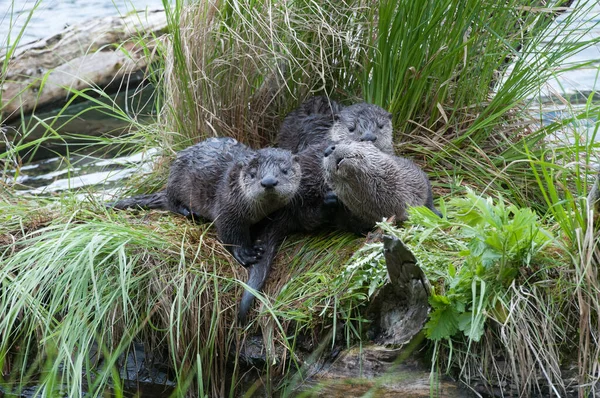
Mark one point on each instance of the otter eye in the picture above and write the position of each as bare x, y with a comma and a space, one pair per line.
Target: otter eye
284, 171
352, 128
252, 173
380, 125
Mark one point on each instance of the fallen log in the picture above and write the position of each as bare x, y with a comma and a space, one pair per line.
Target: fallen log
97, 53
392, 365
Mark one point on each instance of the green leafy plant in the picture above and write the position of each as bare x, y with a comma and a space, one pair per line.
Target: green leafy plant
235, 68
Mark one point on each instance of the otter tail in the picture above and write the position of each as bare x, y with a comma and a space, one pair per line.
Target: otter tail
429, 202
150, 201
437, 212
257, 275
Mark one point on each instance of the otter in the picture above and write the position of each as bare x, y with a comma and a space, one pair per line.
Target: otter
320, 119
224, 181
307, 211
308, 124
309, 131
374, 185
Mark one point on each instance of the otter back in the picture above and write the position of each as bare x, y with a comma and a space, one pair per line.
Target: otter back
308, 124
320, 119
374, 185
224, 181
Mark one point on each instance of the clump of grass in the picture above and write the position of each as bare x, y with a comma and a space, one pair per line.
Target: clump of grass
495, 270
89, 281
234, 69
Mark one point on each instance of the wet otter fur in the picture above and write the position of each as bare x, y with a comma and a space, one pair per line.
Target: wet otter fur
320, 119
374, 185
309, 131
306, 212
224, 181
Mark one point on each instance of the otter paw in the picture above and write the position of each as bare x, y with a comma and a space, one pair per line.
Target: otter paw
259, 249
331, 198
247, 256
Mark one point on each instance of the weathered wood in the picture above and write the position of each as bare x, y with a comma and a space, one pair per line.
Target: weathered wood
381, 372
97, 53
399, 310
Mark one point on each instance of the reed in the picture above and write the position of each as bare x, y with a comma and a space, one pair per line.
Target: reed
512, 260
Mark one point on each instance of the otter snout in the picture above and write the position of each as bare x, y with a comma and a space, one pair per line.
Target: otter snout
368, 136
269, 182
329, 150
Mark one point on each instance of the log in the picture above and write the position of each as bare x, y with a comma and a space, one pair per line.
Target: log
380, 372
97, 53
399, 309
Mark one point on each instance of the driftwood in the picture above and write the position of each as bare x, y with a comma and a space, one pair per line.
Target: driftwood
392, 365
399, 310
98, 53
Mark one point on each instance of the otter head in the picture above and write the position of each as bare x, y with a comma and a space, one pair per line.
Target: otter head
362, 177
364, 122
346, 161
270, 177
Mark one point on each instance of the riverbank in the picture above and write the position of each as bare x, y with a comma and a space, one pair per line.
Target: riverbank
510, 263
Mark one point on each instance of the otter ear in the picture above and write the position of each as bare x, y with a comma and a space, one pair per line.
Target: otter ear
390, 116
295, 159
336, 117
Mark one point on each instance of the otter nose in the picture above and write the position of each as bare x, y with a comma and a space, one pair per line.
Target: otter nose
368, 136
329, 150
269, 182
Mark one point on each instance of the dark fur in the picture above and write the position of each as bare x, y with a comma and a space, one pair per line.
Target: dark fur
309, 124
309, 130
319, 119
222, 180
151, 201
374, 185
306, 212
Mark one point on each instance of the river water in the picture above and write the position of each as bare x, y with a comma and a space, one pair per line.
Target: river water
51, 16
580, 83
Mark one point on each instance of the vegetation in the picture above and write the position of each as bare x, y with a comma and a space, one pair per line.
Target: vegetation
512, 262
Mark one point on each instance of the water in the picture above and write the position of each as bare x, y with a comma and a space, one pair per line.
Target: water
47, 170
52, 16
54, 174
578, 84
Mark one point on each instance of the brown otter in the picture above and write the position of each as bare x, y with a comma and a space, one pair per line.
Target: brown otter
374, 185
224, 181
306, 212
309, 130
319, 119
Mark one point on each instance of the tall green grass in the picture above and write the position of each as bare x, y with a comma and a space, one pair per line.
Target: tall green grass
75, 278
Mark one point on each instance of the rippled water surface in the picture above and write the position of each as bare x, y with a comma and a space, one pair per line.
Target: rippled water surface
51, 16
